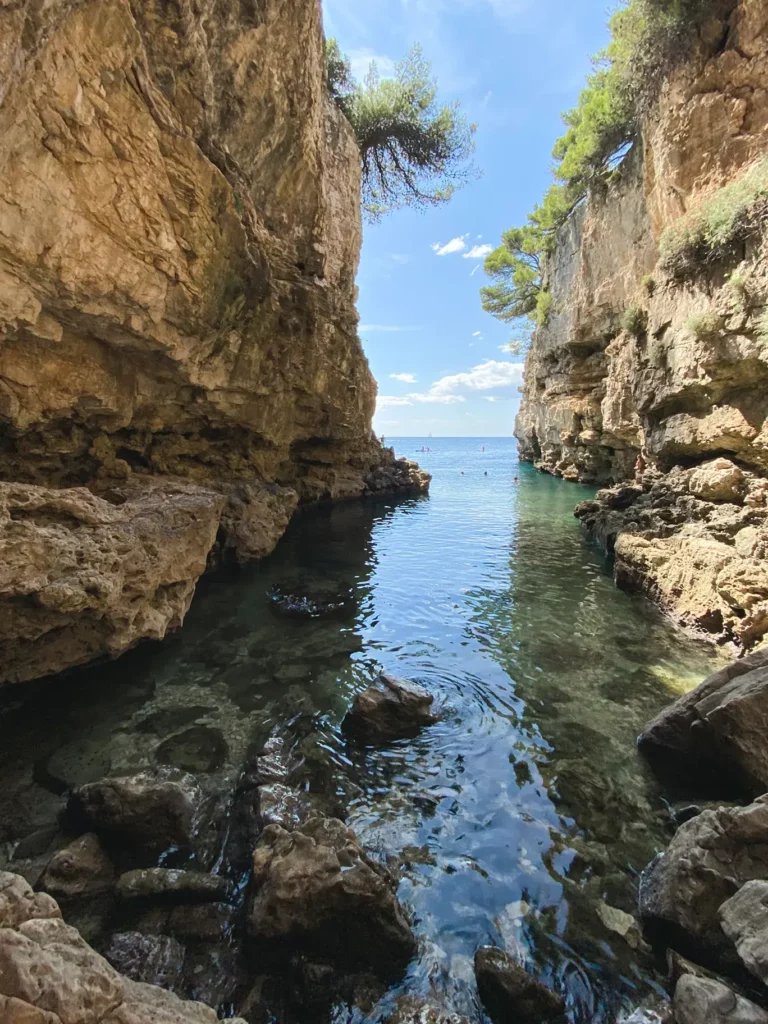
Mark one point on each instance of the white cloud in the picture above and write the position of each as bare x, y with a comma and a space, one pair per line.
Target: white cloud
478, 252
388, 401
386, 329
457, 244
477, 334
491, 398
406, 378
417, 398
475, 270
362, 58
401, 257
488, 375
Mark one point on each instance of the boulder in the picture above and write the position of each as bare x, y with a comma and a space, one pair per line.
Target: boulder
393, 710
705, 1001
153, 959
82, 869
720, 726
718, 480
169, 885
152, 811
509, 993
317, 886
81, 577
49, 975
744, 919
709, 859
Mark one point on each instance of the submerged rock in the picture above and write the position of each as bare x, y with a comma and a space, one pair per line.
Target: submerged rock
310, 602
708, 860
172, 885
509, 993
720, 727
317, 886
198, 750
81, 869
152, 959
152, 810
705, 1001
393, 710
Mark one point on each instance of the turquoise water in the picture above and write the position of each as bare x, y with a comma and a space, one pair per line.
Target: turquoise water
520, 816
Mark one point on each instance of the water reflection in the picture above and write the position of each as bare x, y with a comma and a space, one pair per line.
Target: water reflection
518, 818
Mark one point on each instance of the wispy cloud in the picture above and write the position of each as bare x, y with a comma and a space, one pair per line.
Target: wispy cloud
477, 334
386, 329
417, 398
478, 252
488, 375
492, 398
458, 244
406, 378
401, 257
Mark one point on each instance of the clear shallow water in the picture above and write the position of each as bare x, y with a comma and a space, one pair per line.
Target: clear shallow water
518, 814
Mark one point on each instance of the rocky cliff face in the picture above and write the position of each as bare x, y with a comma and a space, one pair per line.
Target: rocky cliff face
641, 356
179, 238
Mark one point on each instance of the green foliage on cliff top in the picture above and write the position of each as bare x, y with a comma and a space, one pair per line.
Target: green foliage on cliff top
722, 222
648, 37
414, 151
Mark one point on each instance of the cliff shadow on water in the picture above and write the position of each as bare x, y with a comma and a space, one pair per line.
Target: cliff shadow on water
521, 818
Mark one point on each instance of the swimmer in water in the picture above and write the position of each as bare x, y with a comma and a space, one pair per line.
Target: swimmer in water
486, 473
515, 479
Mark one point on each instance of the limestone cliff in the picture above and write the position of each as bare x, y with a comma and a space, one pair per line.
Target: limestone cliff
179, 239
641, 355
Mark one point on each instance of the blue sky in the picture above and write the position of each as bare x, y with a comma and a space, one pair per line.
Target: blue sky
514, 65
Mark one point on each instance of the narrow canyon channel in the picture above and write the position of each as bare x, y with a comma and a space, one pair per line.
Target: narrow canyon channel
522, 818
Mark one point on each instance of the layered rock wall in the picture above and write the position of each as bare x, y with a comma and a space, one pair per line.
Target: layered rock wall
179, 238
596, 393
649, 353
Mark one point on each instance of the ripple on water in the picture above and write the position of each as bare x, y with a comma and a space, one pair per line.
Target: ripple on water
516, 816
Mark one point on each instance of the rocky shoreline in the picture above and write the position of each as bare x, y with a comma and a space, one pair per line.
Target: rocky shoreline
259, 900
694, 540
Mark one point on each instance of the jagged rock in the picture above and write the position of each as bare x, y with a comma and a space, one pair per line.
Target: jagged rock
49, 975
316, 885
707, 862
394, 710
718, 480
719, 726
281, 805
509, 992
82, 578
744, 919
152, 810
172, 885
152, 959
705, 1001
254, 520
412, 1010
81, 869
